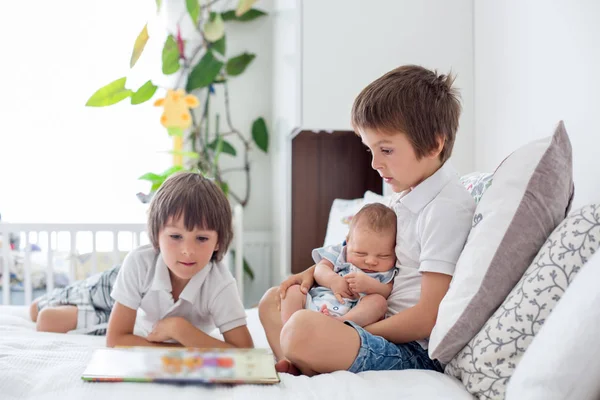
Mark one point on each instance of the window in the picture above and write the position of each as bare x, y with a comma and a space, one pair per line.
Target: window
59, 160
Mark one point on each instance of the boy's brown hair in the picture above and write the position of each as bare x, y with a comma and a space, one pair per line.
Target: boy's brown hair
415, 101
202, 204
377, 216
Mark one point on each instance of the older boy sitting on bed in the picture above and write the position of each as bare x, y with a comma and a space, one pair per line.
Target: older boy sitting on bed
408, 119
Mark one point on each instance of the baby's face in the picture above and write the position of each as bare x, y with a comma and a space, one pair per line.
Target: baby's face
371, 251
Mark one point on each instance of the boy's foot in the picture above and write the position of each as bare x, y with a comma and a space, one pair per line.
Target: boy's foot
286, 367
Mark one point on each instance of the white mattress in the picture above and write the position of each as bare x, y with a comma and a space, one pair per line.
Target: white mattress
37, 365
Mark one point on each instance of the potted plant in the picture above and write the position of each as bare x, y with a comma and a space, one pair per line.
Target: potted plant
203, 67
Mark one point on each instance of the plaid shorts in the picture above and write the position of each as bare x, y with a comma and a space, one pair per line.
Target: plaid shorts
92, 299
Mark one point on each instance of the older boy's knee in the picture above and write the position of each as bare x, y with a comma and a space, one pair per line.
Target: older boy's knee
267, 304
295, 335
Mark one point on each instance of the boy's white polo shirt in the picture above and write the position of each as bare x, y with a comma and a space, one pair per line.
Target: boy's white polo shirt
434, 220
209, 299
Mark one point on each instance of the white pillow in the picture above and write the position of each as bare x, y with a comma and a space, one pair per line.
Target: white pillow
372, 197
340, 215
563, 362
530, 196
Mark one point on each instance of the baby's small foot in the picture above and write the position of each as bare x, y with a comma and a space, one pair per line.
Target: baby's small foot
324, 310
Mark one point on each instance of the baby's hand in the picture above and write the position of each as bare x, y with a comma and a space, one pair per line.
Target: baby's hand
341, 290
359, 282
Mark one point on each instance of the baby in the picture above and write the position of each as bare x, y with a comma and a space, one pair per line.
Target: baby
355, 277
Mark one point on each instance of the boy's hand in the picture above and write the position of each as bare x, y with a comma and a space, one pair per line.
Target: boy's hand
305, 279
341, 290
164, 330
359, 282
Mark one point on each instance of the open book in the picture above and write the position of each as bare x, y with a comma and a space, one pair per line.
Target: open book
170, 365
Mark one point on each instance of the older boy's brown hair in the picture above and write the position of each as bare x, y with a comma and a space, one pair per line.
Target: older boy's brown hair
415, 101
377, 216
202, 204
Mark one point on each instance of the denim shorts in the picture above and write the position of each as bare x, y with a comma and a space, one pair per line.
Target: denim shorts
378, 354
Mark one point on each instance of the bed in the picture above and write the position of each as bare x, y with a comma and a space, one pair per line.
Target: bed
38, 365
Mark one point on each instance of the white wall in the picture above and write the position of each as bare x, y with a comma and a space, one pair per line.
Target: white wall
537, 62
347, 44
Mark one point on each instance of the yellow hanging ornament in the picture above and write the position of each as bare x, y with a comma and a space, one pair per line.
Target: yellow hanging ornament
177, 106
176, 114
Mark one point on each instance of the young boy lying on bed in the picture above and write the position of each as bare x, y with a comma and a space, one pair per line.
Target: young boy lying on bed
175, 290
355, 278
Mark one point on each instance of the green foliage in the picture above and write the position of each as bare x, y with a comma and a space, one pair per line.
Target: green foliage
203, 69
170, 56
110, 94
144, 93
260, 134
204, 73
247, 16
237, 65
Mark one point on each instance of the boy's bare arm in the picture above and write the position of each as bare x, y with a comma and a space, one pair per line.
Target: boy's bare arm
188, 335
415, 323
120, 329
383, 289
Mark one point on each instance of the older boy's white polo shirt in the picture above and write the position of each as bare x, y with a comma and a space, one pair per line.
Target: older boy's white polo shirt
210, 298
434, 220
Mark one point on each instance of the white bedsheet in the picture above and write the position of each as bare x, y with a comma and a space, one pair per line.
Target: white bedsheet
36, 365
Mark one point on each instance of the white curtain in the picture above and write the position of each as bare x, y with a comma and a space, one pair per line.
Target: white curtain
59, 160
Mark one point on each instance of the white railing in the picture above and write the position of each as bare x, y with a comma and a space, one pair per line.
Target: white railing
31, 233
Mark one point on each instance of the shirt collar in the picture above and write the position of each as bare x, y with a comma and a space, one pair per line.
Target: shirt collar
426, 191
162, 280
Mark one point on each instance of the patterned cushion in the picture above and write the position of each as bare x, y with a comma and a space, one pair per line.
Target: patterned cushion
487, 362
477, 183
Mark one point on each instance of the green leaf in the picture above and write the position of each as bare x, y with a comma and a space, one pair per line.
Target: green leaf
214, 29
192, 155
156, 185
170, 56
110, 94
226, 147
138, 47
219, 46
237, 65
204, 72
224, 187
150, 176
193, 9
243, 7
175, 131
247, 269
247, 16
260, 134
170, 171
158, 3
144, 93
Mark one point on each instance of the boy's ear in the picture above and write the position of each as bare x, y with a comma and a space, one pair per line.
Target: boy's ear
440, 146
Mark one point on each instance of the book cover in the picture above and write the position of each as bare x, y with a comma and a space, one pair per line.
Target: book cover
183, 366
